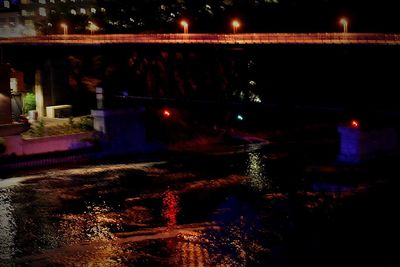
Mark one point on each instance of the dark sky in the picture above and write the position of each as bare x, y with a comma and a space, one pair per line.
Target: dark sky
255, 15
323, 15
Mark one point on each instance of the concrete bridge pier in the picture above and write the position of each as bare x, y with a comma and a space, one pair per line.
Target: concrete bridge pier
51, 81
122, 130
358, 145
5, 95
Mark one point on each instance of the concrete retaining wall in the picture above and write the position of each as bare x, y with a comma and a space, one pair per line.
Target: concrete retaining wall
18, 146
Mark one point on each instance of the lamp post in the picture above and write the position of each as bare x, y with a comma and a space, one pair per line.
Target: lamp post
235, 25
92, 27
185, 26
344, 23
65, 28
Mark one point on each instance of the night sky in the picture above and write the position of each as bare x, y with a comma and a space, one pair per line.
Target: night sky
124, 16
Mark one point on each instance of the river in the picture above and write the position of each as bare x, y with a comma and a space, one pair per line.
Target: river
253, 208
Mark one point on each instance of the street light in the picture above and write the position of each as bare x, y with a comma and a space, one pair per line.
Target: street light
235, 25
344, 23
93, 27
185, 26
65, 28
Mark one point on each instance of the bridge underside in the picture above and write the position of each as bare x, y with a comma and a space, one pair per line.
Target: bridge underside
350, 76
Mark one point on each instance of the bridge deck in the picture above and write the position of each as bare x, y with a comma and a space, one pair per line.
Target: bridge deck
217, 39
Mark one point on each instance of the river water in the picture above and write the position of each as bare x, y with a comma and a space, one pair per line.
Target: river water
254, 208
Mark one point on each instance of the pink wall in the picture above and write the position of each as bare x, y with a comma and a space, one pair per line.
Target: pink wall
18, 146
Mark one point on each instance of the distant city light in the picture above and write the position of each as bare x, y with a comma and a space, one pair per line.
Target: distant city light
240, 117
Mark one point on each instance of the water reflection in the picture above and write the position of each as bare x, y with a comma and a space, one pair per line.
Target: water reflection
238, 240
170, 207
94, 224
255, 169
90, 233
188, 249
7, 227
208, 221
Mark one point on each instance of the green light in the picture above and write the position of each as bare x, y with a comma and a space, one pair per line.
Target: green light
240, 117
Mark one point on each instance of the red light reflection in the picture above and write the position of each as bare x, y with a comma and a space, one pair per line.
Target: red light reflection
170, 208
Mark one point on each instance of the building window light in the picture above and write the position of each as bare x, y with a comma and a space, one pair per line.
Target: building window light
42, 11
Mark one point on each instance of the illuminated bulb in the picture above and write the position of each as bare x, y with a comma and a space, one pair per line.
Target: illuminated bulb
166, 113
240, 117
355, 124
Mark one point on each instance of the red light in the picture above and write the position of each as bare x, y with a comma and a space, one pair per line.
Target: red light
166, 113
355, 124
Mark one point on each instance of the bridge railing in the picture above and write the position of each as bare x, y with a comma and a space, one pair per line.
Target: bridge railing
206, 38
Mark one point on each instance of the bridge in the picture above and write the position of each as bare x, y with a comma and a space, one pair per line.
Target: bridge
211, 39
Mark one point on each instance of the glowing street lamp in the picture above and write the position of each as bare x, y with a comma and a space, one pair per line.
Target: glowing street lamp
93, 27
235, 25
65, 28
344, 23
185, 26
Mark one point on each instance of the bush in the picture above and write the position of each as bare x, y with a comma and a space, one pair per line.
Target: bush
86, 123
40, 129
37, 130
29, 103
2, 146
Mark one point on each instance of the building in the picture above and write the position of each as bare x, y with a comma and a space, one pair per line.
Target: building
8, 4
11, 24
40, 15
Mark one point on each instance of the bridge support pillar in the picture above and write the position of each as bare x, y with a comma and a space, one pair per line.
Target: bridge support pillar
5, 95
123, 130
358, 145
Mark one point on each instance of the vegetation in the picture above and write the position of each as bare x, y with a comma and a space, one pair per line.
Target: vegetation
40, 129
2, 146
29, 102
